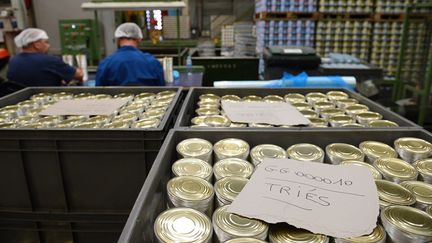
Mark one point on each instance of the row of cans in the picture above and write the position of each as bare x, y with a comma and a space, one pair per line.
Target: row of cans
335, 109
191, 193
145, 110
350, 6
285, 6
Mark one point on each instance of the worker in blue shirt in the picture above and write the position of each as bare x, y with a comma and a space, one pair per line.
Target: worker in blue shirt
129, 65
34, 67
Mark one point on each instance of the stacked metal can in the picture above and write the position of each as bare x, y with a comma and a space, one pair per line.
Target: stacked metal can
145, 110
348, 37
405, 200
351, 6
335, 109
285, 6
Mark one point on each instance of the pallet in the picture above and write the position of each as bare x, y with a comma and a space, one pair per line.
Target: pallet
388, 17
287, 16
346, 16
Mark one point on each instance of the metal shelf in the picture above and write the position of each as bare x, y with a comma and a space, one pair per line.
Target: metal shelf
124, 6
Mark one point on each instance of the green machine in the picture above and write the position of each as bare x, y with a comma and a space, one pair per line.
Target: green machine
80, 36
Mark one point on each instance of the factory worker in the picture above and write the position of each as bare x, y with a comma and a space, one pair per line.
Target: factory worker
129, 65
34, 67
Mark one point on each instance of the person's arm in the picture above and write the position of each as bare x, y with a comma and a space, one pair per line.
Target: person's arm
79, 74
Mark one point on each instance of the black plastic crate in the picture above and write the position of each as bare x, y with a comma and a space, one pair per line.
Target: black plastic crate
152, 198
77, 170
187, 111
60, 228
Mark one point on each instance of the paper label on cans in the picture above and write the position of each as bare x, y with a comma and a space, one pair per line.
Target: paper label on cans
264, 112
293, 51
88, 107
335, 200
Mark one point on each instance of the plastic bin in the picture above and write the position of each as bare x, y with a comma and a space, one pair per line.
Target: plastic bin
187, 111
152, 198
94, 171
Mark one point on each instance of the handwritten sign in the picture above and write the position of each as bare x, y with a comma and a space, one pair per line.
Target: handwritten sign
264, 112
84, 107
334, 200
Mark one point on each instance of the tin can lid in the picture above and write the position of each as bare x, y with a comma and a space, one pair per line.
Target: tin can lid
124, 96
396, 168
228, 188
377, 235
294, 98
424, 166
251, 98
259, 152
41, 95
263, 125
245, 240
154, 113
382, 123
209, 105
408, 220
331, 112
305, 152
145, 96
352, 125
233, 167
194, 147
369, 115
7, 125
273, 99
316, 96
192, 167
344, 151
236, 225
233, 98
165, 94
116, 124
429, 210
337, 95
87, 125
341, 119
421, 190
209, 98
375, 173
394, 194
318, 122
375, 150
323, 105
207, 111
301, 106
281, 233
102, 96
413, 145
231, 147
183, 225
151, 122
217, 121
198, 120
356, 109
190, 188
346, 102
309, 113
236, 124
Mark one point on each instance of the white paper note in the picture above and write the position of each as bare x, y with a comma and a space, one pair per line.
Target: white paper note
84, 107
334, 200
264, 112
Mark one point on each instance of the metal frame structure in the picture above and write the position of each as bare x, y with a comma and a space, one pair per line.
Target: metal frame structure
422, 88
134, 6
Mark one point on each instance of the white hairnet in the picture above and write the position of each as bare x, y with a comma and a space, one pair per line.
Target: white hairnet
30, 35
128, 30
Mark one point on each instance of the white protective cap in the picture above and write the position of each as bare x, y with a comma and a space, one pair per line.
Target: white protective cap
128, 30
30, 35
